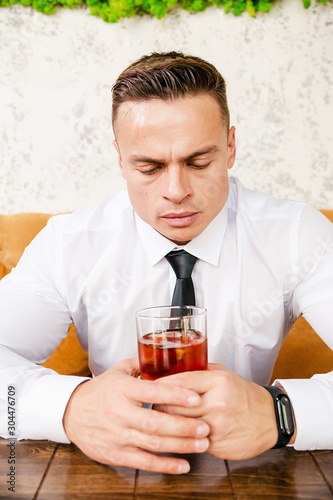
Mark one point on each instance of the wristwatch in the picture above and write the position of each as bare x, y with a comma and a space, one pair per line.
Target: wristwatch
284, 415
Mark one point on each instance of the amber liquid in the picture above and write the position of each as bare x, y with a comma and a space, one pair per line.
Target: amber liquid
173, 351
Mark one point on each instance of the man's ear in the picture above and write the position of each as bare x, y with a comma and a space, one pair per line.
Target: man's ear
115, 145
231, 147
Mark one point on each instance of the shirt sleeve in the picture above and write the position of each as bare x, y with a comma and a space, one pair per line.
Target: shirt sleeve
312, 399
34, 320
312, 261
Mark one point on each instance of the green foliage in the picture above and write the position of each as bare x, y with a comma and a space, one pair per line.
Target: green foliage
112, 10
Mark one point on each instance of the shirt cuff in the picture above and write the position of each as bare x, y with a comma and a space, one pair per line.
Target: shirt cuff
41, 409
312, 402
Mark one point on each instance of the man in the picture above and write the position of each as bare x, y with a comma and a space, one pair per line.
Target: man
98, 267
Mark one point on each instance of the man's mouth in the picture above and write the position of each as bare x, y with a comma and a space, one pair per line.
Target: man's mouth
180, 219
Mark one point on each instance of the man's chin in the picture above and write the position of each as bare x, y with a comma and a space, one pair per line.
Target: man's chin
179, 236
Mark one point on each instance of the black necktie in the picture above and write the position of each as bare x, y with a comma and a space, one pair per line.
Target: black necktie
182, 263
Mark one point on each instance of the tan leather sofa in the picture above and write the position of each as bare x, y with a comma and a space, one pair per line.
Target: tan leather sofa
302, 354
16, 232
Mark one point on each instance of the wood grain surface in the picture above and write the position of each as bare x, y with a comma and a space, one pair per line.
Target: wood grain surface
50, 471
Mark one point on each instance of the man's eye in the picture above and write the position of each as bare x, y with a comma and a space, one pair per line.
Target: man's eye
198, 167
151, 171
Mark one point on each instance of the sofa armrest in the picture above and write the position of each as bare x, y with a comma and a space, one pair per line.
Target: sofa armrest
303, 354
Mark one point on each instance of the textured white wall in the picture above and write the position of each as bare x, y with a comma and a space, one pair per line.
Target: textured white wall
55, 78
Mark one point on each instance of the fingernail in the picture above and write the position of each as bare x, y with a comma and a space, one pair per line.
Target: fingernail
202, 430
201, 444
183, 468
193, 400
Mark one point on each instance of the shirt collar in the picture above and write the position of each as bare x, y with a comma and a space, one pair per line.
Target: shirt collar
206, 246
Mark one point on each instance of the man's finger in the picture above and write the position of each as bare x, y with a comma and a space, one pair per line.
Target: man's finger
144, 460
145, 391
194, 413
198, 381
164, 444
130, 366
217, 366
158, 423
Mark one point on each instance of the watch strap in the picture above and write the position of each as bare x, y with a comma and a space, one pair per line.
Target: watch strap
283, 414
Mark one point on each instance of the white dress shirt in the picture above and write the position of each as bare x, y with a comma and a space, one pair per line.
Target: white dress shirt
261, 263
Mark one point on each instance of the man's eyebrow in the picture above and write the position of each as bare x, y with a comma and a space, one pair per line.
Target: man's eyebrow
147, 159
144, 159
208, 150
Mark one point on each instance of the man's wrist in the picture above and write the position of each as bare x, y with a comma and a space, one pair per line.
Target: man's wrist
292, 440
284, 416
65, 418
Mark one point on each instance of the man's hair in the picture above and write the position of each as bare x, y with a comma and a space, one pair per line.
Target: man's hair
168, 76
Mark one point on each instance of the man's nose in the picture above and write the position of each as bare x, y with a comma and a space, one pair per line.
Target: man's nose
177, 184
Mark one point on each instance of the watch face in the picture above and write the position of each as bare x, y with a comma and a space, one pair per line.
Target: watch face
286, 418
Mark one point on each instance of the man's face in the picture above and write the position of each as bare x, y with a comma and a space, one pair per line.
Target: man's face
175, 158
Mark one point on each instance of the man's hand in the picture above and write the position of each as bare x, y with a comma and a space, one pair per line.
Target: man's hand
105, 419
240, 414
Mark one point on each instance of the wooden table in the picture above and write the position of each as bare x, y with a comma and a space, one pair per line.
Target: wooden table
50, 471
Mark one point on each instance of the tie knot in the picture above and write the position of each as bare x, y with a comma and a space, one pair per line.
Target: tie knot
181, 262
